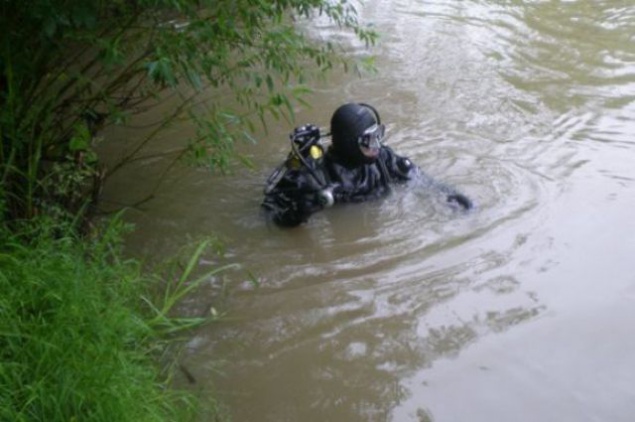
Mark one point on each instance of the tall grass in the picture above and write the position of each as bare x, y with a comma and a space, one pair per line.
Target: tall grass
78, 339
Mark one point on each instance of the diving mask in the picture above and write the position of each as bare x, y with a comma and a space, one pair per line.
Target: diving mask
370, 141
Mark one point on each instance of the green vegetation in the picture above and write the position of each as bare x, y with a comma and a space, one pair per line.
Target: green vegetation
81, 338
69, 68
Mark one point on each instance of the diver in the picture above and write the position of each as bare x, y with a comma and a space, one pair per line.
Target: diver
356, 167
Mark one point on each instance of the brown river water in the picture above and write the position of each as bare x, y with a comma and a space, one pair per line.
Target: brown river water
398, 309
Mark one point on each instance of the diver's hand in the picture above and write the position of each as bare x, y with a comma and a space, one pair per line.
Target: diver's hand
460, 200
287, 209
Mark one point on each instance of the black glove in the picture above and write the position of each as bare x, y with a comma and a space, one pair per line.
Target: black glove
460, 200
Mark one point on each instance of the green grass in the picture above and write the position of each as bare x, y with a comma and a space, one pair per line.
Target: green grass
78, 338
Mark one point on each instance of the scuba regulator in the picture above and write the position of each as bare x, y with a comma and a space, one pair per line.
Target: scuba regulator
306, 152
305, 145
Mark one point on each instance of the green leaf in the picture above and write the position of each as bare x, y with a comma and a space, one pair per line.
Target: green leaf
80, 141
269, 83
49, 26
84, 15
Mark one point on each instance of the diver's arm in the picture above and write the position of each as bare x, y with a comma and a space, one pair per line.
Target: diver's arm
401, 168
398, 168
285, 211
292, 201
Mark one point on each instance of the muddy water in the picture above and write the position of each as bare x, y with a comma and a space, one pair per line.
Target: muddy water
400, 310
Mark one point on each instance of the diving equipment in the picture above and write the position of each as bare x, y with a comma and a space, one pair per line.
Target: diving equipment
306, 152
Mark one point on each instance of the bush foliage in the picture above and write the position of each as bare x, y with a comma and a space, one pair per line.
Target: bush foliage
80, 337
68, 68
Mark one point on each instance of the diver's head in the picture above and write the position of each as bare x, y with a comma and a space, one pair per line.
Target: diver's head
357, 133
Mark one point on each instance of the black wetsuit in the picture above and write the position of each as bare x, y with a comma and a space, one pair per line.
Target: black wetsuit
295, 194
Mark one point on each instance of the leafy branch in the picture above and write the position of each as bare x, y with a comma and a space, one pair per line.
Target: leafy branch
70, 68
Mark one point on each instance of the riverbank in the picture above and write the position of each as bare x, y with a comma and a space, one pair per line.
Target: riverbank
81, 337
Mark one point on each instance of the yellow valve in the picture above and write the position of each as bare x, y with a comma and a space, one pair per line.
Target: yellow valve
316, 152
